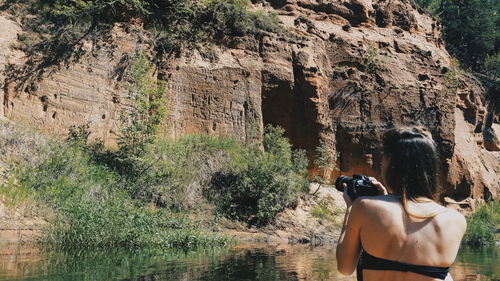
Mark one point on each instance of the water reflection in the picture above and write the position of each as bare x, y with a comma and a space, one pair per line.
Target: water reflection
477, 264
281, 262
243, 262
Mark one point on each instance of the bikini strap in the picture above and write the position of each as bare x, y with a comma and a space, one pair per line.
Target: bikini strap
368, 261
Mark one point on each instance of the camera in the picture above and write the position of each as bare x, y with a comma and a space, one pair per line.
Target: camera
358, 185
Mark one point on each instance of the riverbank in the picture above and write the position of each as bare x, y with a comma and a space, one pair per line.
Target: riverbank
300, 225
190, 192
315, 220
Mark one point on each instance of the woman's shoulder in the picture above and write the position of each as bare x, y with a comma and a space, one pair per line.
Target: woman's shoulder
452, 218
378, 205
391, 204
377, 202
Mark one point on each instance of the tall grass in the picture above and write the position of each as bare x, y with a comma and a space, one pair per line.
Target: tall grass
92, 207
240, 181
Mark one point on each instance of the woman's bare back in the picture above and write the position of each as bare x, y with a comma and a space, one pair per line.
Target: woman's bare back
388, 232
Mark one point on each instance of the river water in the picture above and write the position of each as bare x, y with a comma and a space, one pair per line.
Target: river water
242, 262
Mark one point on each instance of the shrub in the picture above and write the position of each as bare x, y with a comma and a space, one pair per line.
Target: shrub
243, 181
326, 210
325, 161
452, 77
372, 60
264, 183
231, 17
95, 205
139, 121
18, 145
482, 224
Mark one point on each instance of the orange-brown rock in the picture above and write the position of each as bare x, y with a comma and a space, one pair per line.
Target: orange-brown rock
352, 69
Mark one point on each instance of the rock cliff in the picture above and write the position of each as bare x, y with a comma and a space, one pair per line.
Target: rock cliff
344, 72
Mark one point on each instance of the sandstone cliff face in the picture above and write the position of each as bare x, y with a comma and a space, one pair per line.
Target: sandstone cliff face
351, 69
8, 36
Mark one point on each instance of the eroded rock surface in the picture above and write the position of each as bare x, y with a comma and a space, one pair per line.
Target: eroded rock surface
350, 70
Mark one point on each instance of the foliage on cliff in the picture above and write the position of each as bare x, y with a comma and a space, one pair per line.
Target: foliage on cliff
141, 121
471, 30
55, 29
142, 193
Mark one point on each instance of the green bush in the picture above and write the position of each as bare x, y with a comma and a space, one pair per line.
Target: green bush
481, 226
452, 77
231, 17
243, 181
139, 121
261, 183
323, 210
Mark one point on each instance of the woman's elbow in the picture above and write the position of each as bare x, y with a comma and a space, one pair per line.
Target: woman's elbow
345, 269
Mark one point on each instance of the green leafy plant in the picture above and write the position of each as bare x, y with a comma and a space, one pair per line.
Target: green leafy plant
322, 211
451, 77
175, 173
492, 65
261, 183
327, 212
481, 226
231, 17
92, 207
95, 205
326, 161
371, 59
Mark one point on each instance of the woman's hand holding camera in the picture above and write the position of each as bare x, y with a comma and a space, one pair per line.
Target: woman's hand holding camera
381, 190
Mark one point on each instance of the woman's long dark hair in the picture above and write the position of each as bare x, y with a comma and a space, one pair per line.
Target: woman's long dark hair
412, 172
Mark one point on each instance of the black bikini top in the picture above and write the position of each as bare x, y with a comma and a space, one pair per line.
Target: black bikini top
368, 261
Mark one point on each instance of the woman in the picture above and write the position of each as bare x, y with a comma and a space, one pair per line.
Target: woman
402, 234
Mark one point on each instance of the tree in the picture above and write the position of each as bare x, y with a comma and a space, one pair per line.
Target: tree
470, 29
142, 118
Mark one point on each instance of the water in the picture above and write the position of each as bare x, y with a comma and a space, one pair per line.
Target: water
483, 263
243, 262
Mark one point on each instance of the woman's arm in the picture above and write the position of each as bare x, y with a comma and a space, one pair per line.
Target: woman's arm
349, 244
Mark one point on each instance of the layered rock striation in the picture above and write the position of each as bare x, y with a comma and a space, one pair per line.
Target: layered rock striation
344, 72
